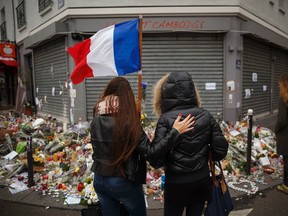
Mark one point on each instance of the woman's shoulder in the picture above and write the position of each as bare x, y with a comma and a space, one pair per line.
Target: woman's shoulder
102, 119
200, 111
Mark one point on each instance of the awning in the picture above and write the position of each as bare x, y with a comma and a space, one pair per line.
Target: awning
9, 61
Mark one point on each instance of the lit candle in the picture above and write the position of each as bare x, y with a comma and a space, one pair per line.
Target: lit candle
51, 175
64, 126
44, 187
55, 157
73, 156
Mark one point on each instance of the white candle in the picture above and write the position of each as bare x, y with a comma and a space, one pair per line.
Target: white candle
64, 126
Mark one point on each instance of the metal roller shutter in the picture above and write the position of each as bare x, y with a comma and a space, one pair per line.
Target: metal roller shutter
256, 59
280, 67
199, 54
50, 67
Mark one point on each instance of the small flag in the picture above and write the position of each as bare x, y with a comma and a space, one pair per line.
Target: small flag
113, 51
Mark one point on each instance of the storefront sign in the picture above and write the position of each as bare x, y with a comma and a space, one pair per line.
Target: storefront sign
170, 24
161, 24
183, 24
7, 50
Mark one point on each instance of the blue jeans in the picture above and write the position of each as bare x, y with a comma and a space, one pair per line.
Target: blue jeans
112, 191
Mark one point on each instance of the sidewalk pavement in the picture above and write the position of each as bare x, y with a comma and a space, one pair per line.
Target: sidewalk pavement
33, 198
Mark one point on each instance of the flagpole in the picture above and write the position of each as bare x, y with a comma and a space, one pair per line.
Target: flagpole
140, 72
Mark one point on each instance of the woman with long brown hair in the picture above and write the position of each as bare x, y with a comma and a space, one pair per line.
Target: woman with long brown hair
121, 149
281, 130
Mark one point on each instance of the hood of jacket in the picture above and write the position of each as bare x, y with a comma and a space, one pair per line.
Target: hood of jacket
175, 90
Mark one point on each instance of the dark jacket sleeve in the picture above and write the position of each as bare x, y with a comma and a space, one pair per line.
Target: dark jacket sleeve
281, 116
164, 140
218, 143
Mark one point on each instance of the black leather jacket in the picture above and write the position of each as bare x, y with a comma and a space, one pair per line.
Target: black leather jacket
188, 160
102, 127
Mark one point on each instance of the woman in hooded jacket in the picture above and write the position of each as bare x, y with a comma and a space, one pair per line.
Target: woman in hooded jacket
187, 175
121, 148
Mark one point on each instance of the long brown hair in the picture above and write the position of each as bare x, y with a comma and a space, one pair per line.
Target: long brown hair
127, 129
283, 84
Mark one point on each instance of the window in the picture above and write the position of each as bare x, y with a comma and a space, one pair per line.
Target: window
61, 3
21, 21
3, 15
3, 25
3, 31
44, 4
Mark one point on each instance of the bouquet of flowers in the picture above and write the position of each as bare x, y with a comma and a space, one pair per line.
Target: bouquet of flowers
38, 159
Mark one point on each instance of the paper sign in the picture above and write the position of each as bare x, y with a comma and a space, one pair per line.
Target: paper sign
247, 93
9, 166
17, 187
210, 86
234, 132
238, 64
231, 85
72, 102
40, 103
230, 98
264, 161
72, 200
257, 145
73, 93
254, 77
11, 155
71, 116
51, 69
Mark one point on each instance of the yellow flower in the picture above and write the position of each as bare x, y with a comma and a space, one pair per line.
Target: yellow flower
40, 159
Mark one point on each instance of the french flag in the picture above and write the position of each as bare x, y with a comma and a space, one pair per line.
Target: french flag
113, 51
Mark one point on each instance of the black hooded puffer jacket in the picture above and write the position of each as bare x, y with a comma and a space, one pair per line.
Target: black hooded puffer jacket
187, 161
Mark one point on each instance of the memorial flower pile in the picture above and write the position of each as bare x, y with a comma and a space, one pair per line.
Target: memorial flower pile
66, 157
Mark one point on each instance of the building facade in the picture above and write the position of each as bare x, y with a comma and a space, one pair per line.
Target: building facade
8, 55
235, 51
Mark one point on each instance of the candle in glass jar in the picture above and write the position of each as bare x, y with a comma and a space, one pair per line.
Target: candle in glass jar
55, 157
73, 156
